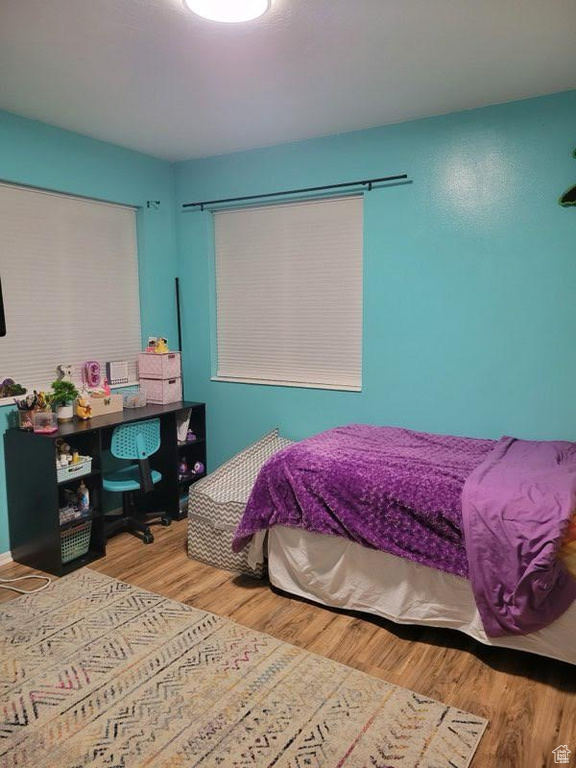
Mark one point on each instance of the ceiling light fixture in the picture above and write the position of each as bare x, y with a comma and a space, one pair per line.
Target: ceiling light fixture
231, 11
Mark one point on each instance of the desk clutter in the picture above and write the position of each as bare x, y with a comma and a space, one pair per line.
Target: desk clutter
160, 382
71, 485
42, 411
62, 501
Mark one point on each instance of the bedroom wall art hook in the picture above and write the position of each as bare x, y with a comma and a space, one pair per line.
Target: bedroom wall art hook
154, 204
568, 199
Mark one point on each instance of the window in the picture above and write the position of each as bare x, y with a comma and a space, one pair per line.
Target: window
70, 282
289, 294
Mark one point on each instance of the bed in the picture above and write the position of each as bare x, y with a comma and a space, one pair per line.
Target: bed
337, 562
340, 573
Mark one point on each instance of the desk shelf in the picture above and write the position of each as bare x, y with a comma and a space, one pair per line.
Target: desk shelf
35, 495
191, 479
78, 478
191, 443
94, 514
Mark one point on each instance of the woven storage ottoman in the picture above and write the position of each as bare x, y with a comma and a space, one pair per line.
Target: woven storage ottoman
217, 502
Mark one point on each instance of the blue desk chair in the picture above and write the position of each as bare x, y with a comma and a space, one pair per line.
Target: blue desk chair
135, 442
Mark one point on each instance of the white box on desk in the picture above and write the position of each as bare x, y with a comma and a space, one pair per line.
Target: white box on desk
107, 404
166, 365
162, 391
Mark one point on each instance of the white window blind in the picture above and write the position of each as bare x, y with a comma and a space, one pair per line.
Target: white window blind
70, 282
289, 294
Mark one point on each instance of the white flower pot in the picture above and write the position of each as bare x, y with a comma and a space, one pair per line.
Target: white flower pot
65, 412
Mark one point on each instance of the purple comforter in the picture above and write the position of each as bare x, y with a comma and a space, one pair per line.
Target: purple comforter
516, 507
390, 489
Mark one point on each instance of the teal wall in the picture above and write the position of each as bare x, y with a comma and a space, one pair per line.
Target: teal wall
37, 154
470, 274
470, 277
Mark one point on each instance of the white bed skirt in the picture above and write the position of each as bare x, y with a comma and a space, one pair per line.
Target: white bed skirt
340, 573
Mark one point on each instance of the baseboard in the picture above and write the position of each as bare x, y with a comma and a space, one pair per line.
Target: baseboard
5, 558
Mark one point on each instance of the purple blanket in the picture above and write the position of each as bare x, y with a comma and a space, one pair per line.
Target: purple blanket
390, 489
516, 508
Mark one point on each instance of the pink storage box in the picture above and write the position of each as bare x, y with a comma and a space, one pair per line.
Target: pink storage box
164, 366
162, 391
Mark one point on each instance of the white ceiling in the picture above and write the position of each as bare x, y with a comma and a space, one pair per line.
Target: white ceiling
149, 75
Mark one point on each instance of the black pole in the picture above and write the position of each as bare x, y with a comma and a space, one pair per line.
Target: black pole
179, 325
364, 183
2, 316
178, 319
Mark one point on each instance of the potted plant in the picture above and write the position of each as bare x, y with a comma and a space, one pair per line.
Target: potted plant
63, 399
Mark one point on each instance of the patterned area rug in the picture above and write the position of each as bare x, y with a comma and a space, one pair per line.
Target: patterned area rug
96, 672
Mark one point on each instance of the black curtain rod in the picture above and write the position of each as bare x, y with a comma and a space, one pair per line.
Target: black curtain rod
365, 183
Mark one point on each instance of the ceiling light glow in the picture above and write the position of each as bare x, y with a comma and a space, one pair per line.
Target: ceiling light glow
230, 11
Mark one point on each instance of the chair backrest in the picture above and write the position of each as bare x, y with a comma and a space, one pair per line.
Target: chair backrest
137, 440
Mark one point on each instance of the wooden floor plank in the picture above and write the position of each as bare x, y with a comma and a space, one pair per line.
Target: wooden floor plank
530, 701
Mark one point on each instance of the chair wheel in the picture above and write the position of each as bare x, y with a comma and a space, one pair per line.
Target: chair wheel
148, 538
166, 520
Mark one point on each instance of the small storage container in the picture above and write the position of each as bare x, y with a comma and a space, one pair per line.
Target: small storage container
26, 420
211, 543
210, 538
45, 422
107, 404
135, 398
75, 542
162, 391
159, 366
216, 504
82, 467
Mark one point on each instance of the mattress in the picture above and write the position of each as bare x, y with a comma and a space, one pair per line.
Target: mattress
340, 573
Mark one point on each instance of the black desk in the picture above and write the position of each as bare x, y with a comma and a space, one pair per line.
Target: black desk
35, 495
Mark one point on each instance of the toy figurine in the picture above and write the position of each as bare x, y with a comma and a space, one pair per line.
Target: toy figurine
158, 345
106, 388
65, 372
83, 408
198, 468
183, 469
161, 346
190, 436
64, 452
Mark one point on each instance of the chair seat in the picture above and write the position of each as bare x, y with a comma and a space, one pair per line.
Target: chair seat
126, 479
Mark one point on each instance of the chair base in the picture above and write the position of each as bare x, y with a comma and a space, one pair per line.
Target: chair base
131, 522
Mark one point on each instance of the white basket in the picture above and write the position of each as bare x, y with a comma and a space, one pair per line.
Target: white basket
82, 467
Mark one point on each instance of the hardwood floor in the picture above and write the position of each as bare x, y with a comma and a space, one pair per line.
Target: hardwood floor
530, 701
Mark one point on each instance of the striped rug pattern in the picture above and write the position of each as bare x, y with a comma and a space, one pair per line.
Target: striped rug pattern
95, 672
